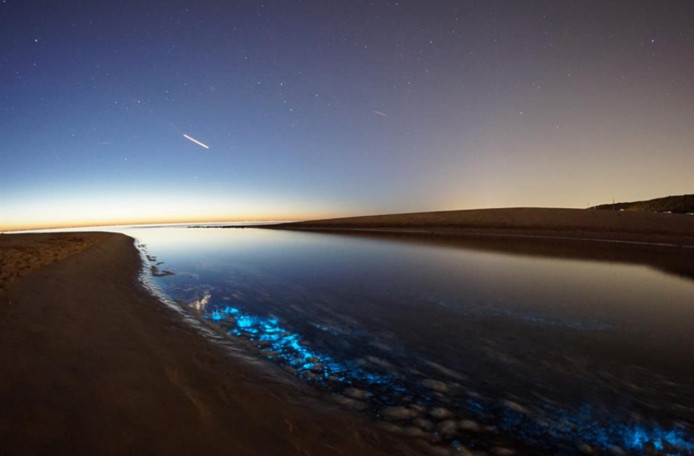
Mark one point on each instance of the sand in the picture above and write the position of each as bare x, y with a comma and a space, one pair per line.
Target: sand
601, 225
22, 254
93, 364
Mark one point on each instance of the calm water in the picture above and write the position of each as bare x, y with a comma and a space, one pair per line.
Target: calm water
458, 346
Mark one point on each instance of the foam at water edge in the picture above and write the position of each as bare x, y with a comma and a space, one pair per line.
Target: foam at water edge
155, 290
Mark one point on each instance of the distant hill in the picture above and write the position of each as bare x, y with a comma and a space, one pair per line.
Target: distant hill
680, 204
529, 222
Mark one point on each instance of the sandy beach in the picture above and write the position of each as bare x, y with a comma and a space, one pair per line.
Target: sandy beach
93, 364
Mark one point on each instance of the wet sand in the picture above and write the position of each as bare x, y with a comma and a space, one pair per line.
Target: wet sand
93, 364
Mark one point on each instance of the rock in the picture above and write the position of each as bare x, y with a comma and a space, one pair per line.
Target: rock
516, 407
398, 413
649, 449
392, 428
357, 393
417, 408
439, 451
413, 431
381, 362
317, 368
465, 452
342, 400
501, 451
424, 423
469, 425
359, 405
440, 413
585, 448
448, 427
435, 385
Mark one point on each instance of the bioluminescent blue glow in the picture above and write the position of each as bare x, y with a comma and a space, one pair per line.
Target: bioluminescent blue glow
287, 348
542, 425
454, 347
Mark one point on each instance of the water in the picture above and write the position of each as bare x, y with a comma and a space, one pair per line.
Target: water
465, 346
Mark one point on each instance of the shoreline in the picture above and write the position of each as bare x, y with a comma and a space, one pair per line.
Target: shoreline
675, 230
669, 258
93, 363
625, 239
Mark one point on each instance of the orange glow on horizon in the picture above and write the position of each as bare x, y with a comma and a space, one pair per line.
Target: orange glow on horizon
84, 210
86, 223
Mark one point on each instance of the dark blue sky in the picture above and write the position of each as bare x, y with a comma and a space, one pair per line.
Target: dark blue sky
327, 108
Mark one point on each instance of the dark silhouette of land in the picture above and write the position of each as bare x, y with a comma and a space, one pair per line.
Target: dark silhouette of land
580, 224
680, 204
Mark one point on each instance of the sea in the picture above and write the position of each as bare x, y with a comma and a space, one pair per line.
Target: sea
475, 345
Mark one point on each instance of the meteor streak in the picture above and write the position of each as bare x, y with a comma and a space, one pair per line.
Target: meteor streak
196, 141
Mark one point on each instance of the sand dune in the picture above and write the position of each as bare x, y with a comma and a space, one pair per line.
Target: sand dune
575, 223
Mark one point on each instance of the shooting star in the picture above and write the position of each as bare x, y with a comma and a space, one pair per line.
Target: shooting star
380, 113
196, 141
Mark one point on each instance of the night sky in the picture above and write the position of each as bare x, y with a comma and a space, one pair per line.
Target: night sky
325, 108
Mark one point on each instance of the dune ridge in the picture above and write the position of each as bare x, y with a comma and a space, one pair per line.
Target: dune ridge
545, 222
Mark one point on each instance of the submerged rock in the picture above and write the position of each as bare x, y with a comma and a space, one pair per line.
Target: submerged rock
617, 451
342, 400
357, 393
448, 427
380, 362
392, 428
417, 408
469, 425
349, 402
502, 451
424, 423
413, 431
317, 368
516, 407
435, 385
398, 413
585, 448
465, 452
157, 273
439, 451
441, 413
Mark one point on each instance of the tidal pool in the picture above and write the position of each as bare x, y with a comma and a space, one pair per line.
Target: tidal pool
505, 346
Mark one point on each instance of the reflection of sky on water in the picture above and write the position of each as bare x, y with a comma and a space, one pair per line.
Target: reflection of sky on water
445, 360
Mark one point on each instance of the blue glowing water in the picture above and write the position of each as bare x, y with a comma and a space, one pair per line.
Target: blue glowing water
471, 348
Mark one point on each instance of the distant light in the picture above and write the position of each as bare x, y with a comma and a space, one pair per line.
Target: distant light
380, 113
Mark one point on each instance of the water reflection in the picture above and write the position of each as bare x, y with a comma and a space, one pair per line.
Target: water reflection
677, 261
463, 348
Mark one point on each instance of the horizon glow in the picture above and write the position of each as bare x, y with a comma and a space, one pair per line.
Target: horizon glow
327, 109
